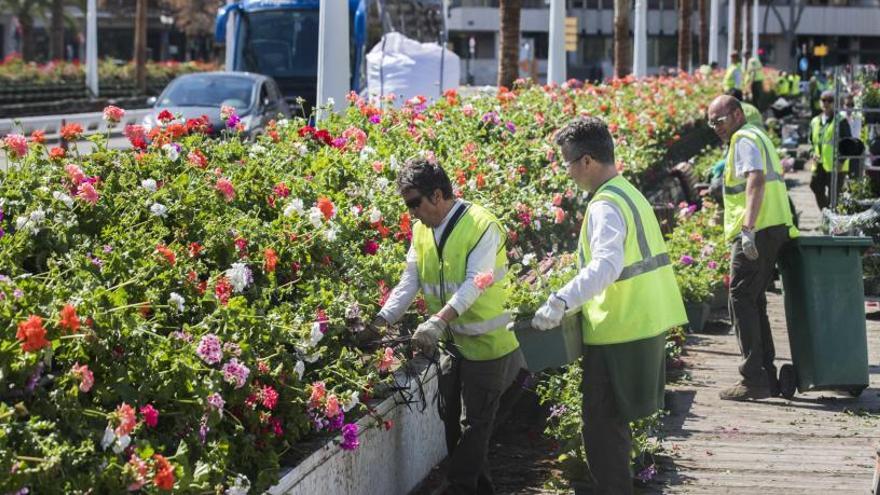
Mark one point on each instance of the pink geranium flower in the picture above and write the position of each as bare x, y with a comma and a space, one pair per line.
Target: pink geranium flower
484, 280
113, 114
226, 188
127, 421
87, 193
355, 137
75, 174
333, 408
87, 378
387, 361
16, 145
151, 415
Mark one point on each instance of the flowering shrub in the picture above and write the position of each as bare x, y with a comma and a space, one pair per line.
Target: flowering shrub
699, 254
180, 315
14, 70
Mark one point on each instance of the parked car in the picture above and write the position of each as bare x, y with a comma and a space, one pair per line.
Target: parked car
255, 97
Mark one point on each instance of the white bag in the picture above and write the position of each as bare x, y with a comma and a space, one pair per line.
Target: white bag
408, 68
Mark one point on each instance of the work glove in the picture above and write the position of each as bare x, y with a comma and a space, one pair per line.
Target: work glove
371, 334
750, 249
427, 334
550, 314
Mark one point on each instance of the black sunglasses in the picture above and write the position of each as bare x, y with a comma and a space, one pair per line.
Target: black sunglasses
414, 203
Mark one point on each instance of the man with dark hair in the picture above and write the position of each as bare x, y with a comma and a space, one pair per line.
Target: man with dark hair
757, 222
628, 297
459, 261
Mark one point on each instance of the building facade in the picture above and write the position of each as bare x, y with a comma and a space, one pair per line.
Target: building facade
850, 29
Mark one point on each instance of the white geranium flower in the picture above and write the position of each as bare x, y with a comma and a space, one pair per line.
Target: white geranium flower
316, 335
283, 123
64, 198
528, 259
331, 233
299, 369
121, 443
393, 163
149, 185
382, 183
294, 206
537, 224
33, 221
171, 152
177, 301
241, 486
375, 215
159, 210
239, 276
302, 149
109, 437
316, 217
331, 102
352, 401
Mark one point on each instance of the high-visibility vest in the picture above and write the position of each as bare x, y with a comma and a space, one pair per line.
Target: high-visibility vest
782, 86
480, 333
644, 301
775, 209
732, 77
822, 138
795, 84
755, 70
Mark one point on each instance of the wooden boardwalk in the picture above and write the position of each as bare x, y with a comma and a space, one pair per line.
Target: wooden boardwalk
818, 443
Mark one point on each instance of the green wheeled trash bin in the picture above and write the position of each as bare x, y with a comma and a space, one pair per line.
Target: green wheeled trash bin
825, 313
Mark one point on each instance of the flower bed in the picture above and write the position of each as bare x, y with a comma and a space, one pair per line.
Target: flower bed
182, 314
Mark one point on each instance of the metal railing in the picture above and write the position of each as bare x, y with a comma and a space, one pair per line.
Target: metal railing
92, 123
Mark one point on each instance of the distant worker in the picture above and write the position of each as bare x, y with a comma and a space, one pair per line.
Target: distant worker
733, 78
822, 140
754, 77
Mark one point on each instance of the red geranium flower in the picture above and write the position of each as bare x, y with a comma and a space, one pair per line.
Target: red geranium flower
32, 333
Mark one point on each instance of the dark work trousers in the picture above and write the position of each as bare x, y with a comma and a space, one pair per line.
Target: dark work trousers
471, 393
748, 304
607, 435
821, 185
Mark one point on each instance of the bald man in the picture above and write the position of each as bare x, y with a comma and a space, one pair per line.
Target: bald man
757, 223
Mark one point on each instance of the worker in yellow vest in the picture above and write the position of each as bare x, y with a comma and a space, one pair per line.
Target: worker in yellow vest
459, 262
794, 84
757, 222
822, 141
733, 76
754, 77
783, 85
628, 297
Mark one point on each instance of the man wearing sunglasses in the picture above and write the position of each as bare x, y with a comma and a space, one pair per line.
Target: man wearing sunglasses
822, 140
628, 297
456, 247
757, 222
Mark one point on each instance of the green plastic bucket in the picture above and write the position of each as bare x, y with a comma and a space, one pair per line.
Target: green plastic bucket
550, 348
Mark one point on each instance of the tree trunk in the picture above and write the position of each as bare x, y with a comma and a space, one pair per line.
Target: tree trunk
27, 36
140, 46
56, 34
622, 41
684, 34
508, 49
737, 26
703, 11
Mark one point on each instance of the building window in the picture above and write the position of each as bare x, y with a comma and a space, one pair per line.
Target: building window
596, 49
484, 43
539, 41
662, 50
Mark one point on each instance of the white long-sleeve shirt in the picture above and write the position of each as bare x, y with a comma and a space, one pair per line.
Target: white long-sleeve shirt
481, 259
606, 230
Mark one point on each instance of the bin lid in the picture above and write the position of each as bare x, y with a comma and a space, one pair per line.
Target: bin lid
837, 241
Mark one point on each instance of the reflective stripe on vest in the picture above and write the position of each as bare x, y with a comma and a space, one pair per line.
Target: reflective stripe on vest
769, 175
644, 300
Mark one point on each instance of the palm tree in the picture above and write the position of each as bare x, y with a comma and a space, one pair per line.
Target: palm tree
684, 34
622, 41
140, 46
508, 68
737, 25
703, 27
26, 11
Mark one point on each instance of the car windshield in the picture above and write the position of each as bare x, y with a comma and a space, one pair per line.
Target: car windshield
280, 43
209, 91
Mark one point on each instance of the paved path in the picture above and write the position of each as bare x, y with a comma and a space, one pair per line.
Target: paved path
818, 443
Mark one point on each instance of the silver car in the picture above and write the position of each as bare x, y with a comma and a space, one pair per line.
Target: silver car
255, 97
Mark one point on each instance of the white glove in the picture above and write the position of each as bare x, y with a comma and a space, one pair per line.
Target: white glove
427, 334
750, 249
550, 314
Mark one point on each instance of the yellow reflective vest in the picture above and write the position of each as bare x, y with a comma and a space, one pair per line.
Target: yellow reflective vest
775, 209
644, 301
822, 139
732, 77
480, 333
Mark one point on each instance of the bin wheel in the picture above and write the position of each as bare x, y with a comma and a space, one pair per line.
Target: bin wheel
787, 381
855, 391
